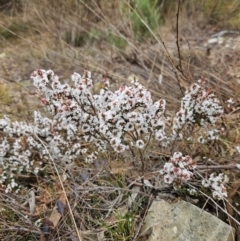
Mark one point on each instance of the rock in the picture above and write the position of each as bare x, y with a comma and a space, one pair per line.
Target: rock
182, 221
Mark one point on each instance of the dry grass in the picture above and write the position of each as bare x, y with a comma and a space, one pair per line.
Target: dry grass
5, 97
72, 35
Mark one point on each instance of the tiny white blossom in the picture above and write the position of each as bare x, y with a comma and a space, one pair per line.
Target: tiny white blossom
140, 144
216, 183
201, 139
230, 102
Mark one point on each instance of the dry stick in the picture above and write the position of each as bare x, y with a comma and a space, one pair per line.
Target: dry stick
179, 67
177, 41
152, 68
21, 229
205, 204
204, 167
61, 183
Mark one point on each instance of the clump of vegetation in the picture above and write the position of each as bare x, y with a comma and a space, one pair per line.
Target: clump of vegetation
85, 127
147, 11
124, 121
123, 229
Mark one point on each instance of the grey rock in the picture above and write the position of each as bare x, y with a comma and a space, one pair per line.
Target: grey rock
182, 221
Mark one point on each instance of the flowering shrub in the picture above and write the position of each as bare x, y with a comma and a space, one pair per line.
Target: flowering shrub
125, 120
21, 151
198, 106
178, 169
216, 183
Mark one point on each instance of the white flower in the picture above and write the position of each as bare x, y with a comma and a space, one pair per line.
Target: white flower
216, 183
85, 127
91, 157
192, 191
115, 141
129, 126
159, 135
3, 123
119, 148
84, 150
120, 124
197, 106
168, 167
205, 183
38, 223
140, 144
200, 139
132, 116
213, 134
168, 179
230, 102
179, 167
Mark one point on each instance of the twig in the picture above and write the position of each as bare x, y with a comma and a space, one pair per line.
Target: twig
177, 41
21, 229
205, 204
32, 201
219, 167
179, 66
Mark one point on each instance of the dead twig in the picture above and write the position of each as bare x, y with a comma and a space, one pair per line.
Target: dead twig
219, 167
21, 229
177, 38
